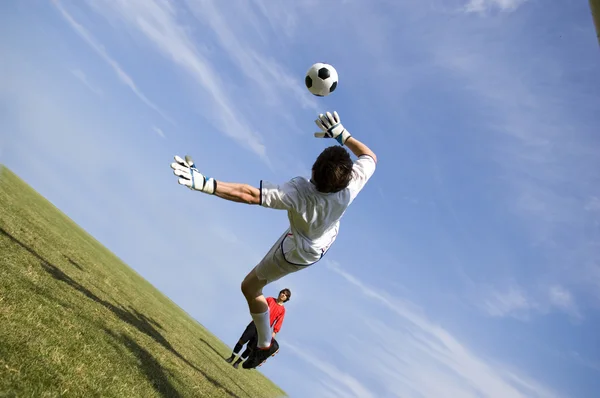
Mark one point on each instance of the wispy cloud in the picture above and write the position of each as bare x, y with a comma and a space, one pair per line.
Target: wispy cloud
486, 5
340, 384
158, 131
158, 23
540, 146
522, 304
408, 351
238, 39
101, 51
562, 299
83, 79
513, 302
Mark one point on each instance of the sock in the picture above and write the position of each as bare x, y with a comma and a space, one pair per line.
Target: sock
245, 354
236, 349
263, 329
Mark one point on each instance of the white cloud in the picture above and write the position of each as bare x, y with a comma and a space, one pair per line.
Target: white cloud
563, 300
518, 303
340, 383
158, 23
100, 50
534, 127
512, 301
281, 17
407, 354
577, 357
481, 6
83, 79
236, 36
158, 131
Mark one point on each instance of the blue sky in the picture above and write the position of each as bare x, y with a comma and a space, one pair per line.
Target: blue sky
470, 264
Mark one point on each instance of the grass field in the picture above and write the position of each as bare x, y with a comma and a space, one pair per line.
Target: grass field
75, 321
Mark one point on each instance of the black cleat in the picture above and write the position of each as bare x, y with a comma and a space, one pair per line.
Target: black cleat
230, 359
272, 355
258, 356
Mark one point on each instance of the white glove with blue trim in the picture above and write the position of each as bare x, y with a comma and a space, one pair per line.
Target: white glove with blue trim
332, 128
190, 176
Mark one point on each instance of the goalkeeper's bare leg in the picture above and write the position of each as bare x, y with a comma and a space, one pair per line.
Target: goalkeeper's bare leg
271, 268
259, 308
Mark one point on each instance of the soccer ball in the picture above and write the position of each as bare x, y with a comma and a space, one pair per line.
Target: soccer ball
321, 79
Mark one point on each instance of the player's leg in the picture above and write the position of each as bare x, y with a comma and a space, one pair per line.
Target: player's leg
267, 271
257, 304
246, 336
271, 268
249, 347
243, 357
246, 353
238, 362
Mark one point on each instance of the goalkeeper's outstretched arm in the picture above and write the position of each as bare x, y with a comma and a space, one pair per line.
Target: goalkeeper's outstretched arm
192, 178
237, 192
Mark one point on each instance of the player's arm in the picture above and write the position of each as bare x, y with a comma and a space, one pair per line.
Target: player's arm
192, 178
237, 192
278, 324
364, 167
358, 148
332, 127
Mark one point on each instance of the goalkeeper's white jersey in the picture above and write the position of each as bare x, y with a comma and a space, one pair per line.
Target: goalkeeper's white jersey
314, 216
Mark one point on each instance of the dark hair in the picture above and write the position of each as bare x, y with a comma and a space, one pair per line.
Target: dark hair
288, 292
332, 171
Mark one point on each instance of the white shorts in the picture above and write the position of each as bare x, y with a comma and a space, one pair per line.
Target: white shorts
274, 266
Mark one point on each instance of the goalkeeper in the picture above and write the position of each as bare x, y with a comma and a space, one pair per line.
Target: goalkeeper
314, 207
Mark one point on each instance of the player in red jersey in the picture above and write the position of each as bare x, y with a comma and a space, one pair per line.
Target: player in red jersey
249, 337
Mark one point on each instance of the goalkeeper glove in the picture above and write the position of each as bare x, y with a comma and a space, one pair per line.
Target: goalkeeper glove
332, 128
190, 176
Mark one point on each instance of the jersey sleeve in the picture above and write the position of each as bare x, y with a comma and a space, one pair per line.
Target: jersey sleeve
363, 169
278, 196
279, 321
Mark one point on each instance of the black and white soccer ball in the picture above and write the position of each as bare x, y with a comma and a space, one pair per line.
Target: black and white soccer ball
321, 79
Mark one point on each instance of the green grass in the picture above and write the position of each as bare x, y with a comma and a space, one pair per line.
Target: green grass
76, 321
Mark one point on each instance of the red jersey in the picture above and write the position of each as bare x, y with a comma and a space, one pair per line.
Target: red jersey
277, 313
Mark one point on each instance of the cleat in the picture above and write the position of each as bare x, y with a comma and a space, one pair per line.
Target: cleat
260, 355
257, 357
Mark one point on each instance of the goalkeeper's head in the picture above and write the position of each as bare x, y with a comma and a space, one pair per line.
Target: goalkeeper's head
332, 171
